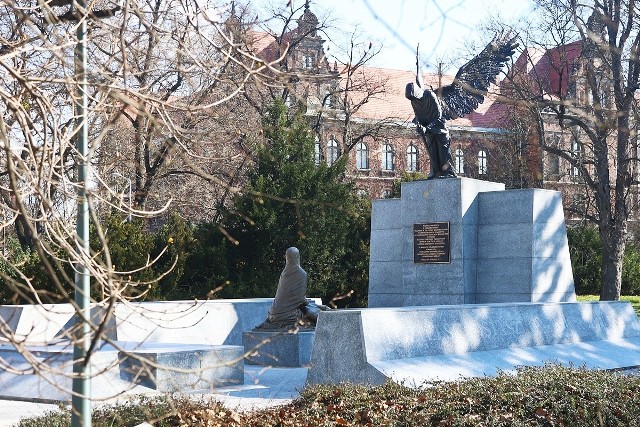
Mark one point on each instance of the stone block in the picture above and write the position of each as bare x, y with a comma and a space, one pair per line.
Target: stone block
385, 300
280, 348
338, 353
433, 299
547, 207
501, 297
503, 275
436, 279
469, 242
550, 241
505, 240
508, 207
171, 368
214, 322
552, 275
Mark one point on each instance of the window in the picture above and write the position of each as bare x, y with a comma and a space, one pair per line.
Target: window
317, 155
328, 100
362, 156
459, 160
308, 61
332, 151
576, 153
387, 157
412, 158
482, 162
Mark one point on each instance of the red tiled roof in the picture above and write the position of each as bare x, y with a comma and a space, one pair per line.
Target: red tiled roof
551, 69
391, 103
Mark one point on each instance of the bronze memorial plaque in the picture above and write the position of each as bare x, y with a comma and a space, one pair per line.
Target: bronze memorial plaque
431, 243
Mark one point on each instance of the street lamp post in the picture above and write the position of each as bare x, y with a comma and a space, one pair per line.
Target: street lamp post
80, 400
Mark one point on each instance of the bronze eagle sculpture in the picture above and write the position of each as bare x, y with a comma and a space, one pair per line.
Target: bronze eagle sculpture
432, 108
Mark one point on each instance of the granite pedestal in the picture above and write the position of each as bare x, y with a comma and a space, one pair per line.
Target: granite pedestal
501, 245
281, 348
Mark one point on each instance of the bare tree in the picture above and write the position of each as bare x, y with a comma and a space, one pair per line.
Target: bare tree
584, 112
158, 78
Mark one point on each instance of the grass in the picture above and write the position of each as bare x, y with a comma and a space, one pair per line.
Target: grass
633, 299
538, 396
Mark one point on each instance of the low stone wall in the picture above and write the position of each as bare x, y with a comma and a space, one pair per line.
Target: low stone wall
445, 342
213, 322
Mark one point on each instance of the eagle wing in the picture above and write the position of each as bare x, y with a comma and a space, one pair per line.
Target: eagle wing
474, 78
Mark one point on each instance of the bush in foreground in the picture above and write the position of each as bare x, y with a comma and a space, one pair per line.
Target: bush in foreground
548, 396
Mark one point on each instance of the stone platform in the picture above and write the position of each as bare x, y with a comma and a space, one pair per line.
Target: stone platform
290, 349
416, 344
182, 345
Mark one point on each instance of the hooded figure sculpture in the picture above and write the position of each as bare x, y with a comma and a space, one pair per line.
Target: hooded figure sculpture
433, 108
289, 302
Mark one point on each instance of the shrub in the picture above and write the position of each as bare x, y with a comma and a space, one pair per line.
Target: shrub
585, 246
533, 396
172, 247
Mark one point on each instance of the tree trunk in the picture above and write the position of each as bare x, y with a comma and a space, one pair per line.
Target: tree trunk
613, 254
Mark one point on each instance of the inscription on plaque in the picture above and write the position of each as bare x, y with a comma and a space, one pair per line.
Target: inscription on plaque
431, 243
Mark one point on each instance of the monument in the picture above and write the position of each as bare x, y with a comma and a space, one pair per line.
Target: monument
467, 278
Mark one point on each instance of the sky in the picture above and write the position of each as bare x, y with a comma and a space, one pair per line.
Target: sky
442, 27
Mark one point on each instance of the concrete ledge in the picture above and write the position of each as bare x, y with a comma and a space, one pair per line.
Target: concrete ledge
180, 368
292, 349
414, 343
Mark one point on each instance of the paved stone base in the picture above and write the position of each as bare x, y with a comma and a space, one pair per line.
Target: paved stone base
278, 348
447, 342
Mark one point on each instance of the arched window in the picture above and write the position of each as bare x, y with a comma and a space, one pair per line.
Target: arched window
317, 151
332, 151
482, 162
459, 160
362, 156
412, 158
387, 157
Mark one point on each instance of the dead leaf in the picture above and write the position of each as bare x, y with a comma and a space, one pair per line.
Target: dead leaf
542, 413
